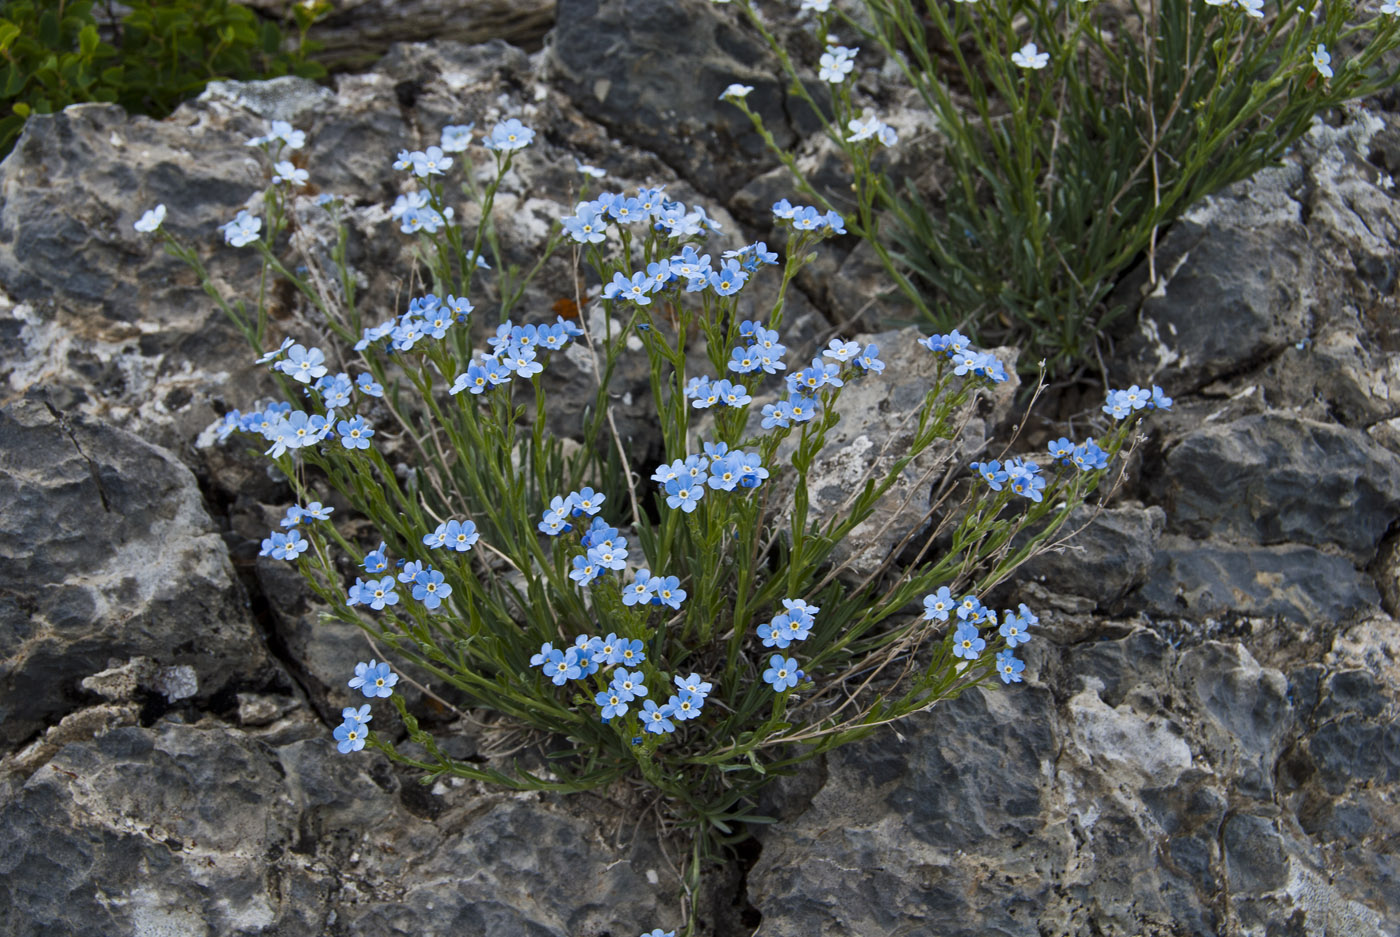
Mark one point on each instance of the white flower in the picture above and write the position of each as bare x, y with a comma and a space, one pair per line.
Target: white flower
865, 127
456, 138
888, 136
151, 220
1254, 8
818, 6
286, 172
735, 92
588, 170
241, 230
1390, 7
1031, 57
295, 139
1322, 61
836, 63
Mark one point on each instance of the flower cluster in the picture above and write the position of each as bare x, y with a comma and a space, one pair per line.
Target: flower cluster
589, 222
590, 655
829, 370
1022, 476
1122, 403
869, 127
376, 681
808, 218
966, 359
515, 351
972, 616
684, 481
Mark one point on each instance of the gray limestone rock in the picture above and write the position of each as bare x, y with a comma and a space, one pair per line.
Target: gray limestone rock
1104, 556
876, 429
1279, 478
1201, 579
1144, 803
109, 554
654, 73
202, 829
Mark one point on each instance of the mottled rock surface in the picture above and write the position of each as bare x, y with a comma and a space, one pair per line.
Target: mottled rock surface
109, 553
205, 829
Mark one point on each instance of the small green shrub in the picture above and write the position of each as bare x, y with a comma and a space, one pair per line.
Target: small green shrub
1072, 133
163, 52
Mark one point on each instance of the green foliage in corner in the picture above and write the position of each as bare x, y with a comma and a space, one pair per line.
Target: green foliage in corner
53, 54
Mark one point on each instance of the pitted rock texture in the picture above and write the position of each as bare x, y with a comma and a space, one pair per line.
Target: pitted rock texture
204, 829
109, 553
1175, 791
1277, 478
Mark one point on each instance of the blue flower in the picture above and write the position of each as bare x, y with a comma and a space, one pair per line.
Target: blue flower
408, 571
966, 643
351, 736
1159, 401
586, 648
1088, 457
640, 591
585, 570
151, 220
1009, 668
317, 512
1013, 629
685, 706
630, 653
241, 230
1061, 450
659, 933
430, 589
970, 605
1024, 479
586, 227
743, 360
638, 289
284, 546
354, 434
374, 679
938, 604
694, 684
612, 702
460, 535
804, 409
728, 279
587, 501
991, 472
684, 494
668, 592
303, 364
292, 517
540, 659
508, 136
657, 718
773, 635
357, 594
562, 665
456, 138
378, 593
798, 624
629, 685
777, 414
627, 210
359, 715
608, 557
782, 673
